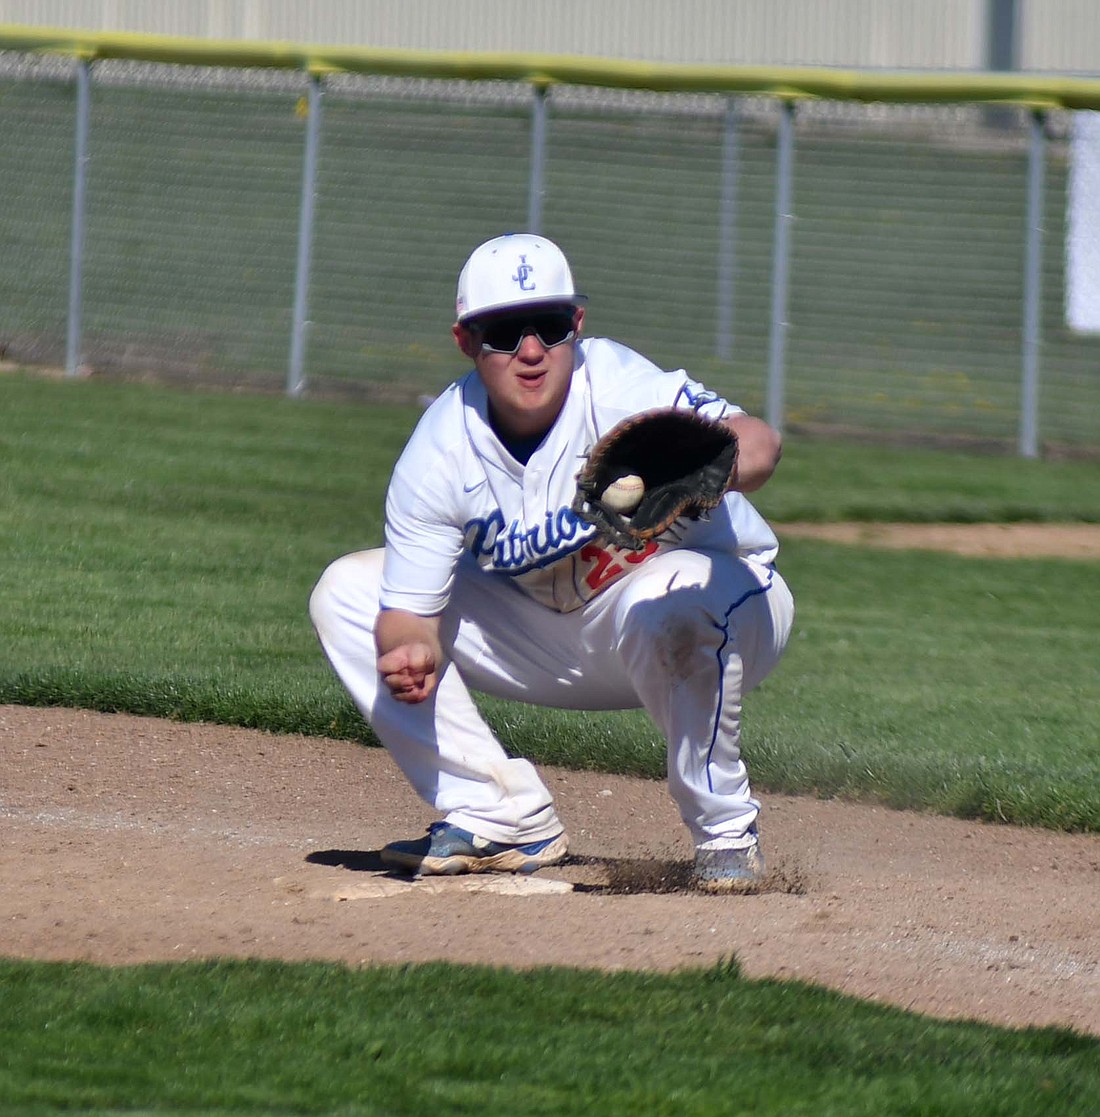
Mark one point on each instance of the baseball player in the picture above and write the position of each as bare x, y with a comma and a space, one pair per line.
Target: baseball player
488, 581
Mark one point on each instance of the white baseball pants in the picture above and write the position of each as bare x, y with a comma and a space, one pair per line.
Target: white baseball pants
685, 636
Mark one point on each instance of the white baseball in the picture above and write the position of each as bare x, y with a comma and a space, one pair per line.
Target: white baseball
625, 494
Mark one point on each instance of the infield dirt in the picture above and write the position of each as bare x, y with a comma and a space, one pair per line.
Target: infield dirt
130, 839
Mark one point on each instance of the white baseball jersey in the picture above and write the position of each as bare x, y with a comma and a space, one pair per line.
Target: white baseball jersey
457, 494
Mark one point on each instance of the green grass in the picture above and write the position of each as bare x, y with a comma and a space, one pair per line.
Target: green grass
969, 689
265, 1038
159, 548
827, 480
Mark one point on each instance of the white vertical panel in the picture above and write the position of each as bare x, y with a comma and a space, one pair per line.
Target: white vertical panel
1083, 226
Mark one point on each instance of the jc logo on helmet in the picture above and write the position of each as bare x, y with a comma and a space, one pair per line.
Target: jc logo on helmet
523, 275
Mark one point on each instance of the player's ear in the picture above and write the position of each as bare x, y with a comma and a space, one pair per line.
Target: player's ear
578, 320
464, 339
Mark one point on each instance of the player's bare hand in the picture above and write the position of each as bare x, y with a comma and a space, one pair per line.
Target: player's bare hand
409, 671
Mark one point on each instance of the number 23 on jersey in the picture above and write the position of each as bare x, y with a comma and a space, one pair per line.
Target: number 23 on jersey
600, 565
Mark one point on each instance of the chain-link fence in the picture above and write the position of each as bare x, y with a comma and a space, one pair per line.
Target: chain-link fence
838, 266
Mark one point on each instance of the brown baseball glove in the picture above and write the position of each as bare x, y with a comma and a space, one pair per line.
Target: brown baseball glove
686, 463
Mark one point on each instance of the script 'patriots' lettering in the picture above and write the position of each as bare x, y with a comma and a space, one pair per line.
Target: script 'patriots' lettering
513, 547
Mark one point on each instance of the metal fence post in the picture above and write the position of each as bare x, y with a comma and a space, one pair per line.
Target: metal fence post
727, 233
781, 247
1033, 281
536, 184
296, 379
76, 234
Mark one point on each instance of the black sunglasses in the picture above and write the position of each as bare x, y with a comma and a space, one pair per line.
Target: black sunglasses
505, 335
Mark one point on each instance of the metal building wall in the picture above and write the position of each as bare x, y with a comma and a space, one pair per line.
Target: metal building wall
1061, 35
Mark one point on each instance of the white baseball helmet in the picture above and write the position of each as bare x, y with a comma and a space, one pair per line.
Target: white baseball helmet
517, 269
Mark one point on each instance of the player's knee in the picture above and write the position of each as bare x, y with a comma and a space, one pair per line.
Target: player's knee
352, 578
671, 627
320, 600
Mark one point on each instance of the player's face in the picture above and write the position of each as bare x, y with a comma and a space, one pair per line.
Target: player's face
527, 387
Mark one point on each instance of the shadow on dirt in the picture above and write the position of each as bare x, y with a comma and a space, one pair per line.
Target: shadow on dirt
600, 876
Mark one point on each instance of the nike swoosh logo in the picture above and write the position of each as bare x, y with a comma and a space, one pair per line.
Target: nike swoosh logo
476, 485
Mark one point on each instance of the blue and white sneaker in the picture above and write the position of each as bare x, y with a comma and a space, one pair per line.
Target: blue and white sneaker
729, 864
449, 850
